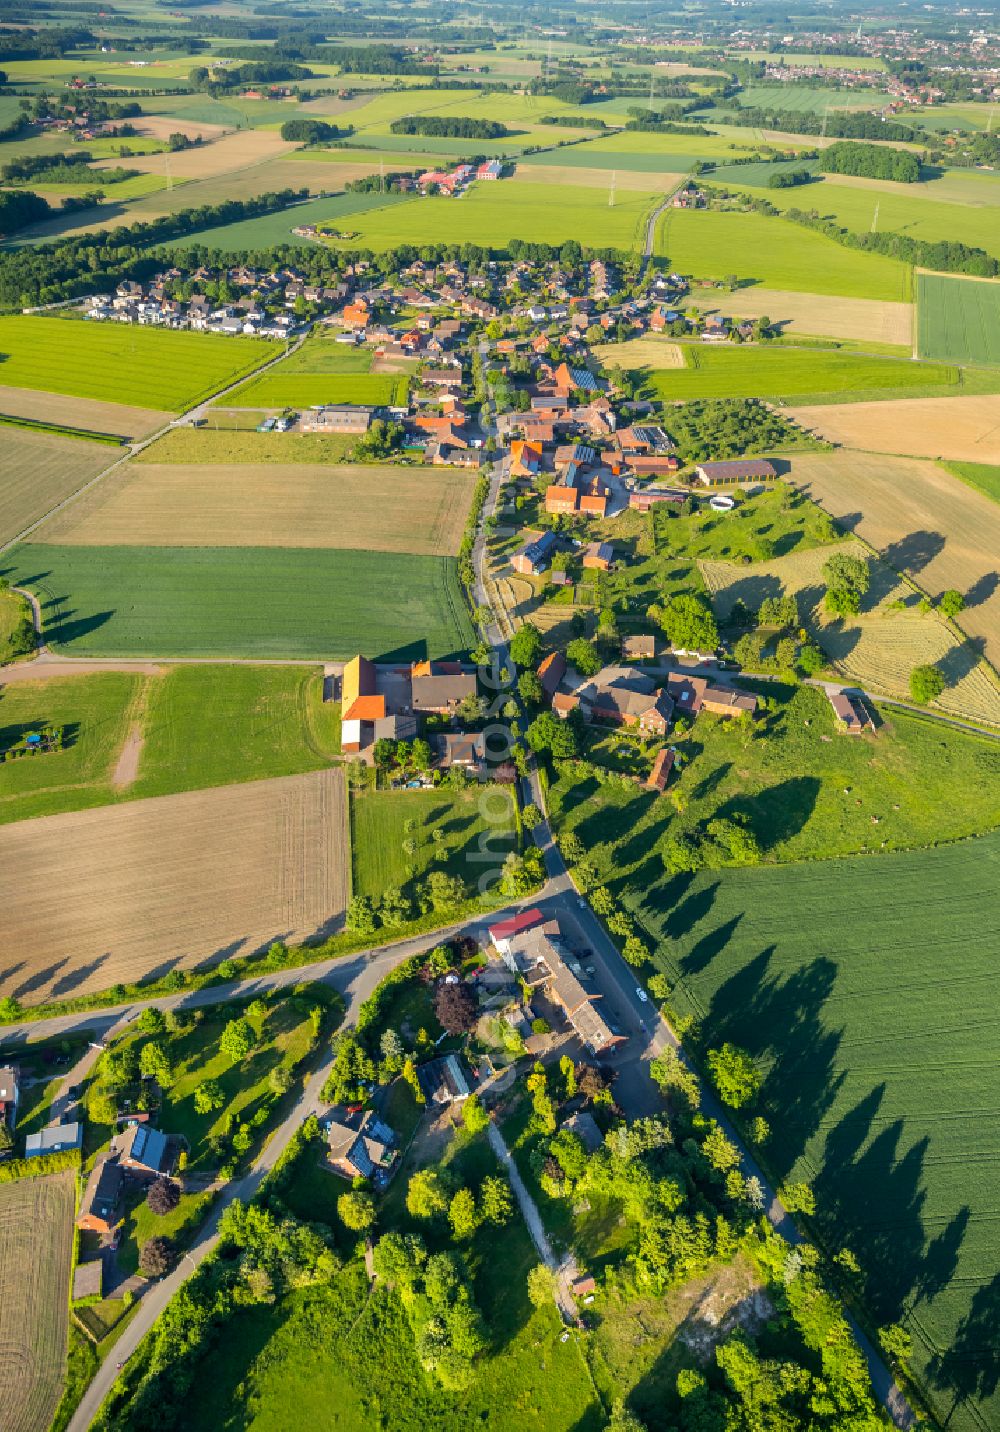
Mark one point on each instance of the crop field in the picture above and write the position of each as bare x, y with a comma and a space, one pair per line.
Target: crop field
224, 155
958, 319
642, 181
379, 828
876, 649
865, 320
88, 414
278, 389
649, 351
384, 509
155, 732
171, 883
882, 1067
37, 471
169, 371
36, 1255
776, 254
982, 476
940, 533
492, 214
804, 99
967, 429
730, 371
244, 601
270, 229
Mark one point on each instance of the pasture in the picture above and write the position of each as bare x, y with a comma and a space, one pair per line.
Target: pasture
171, 883
164, 724
804, 99
166, 370
967, 429
982, 476
278, 389
867, 321
877, 649
224, 445
87, 414
939, 533
741, 371
244, 601
271, 229
958, 319
36, 1255
775, 254
384, 509
381, 821
863, 988
37, 471
493, 214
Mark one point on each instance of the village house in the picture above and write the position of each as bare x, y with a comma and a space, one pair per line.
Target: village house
693, 694
366, 1150
535, 555
551, 672
578, 491
599, 556
639, 648
98, 1212
442, 1081
620, 696
456, 748
143, 1151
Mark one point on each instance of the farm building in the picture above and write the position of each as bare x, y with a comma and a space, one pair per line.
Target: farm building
551, 672
577, 491
620, 696
747, 469
347, 418
88, 1279
443, 1081
99, 1205
55, 1139
364, 1150
648, 498
660, 774
440, 687
694, 693
535, 953
851, 713
10, 1092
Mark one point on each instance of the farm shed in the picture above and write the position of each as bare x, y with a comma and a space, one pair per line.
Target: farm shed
56, 1139
750, 469
851, 712
88, 1279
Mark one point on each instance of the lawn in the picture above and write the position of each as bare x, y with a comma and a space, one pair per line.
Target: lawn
738, 371
958, 319
278, 389
141, 1223
123, 364
244, 601
863, 988
476, 834
270, 230
776, 254
492, 214
274, 717
807, 793
982, 476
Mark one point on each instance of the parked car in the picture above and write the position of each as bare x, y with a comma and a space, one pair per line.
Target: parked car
641, 995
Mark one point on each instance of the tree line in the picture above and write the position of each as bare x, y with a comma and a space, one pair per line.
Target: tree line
449, 126
870, 161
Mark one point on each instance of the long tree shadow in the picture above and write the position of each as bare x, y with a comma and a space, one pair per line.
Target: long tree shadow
913, 552
777, 813
970, 1368
982, 589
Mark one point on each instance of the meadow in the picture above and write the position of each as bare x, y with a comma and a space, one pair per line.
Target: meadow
982, 476
244, 601
376, 508
882, 1068
164, 370
278, 389
804, 99
36, 1255
493, 214
776, 254
39, 471
271, 229
737, 371
172, 883
963, 428
958, 319
380, 823
275, 720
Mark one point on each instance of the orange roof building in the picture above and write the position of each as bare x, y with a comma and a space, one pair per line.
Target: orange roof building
359, 701
525, 458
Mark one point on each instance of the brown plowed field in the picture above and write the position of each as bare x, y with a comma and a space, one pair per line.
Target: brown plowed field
37, 471
221, 156
385, 509
939, 531
36, 1248
89, 414
98, 897
965, 429
866, 319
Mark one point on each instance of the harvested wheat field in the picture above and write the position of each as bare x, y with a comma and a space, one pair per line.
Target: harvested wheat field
232, 152
90, 415
879, 648
38, 470
648, 352
940, 532
115, 895
384, 509
966, 429
596, 178
36, 1255
866, 319
162, 126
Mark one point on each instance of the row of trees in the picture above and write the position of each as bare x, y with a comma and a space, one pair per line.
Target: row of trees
449, 126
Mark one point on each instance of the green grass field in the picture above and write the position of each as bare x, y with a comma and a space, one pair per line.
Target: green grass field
775, 254
276, 389
269, 230
379, 828
803, 99
864, 990
492, 214
958, 319
244, 601
321, 353
731, 371
979, 475
123, 364
274, 717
